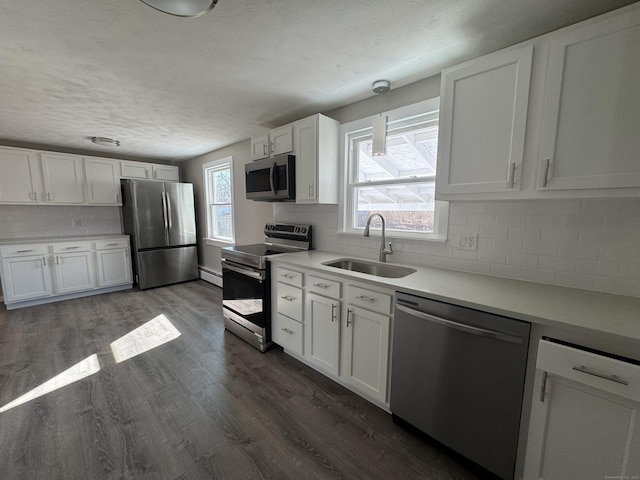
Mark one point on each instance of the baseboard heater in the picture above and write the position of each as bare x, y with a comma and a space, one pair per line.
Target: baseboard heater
210, 276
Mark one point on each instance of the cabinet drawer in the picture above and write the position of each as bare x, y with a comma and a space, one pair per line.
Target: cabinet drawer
71, 247
112, 243
290, 277
322, 286
23, 250
376, 301
289, 301
288, 333
598, 371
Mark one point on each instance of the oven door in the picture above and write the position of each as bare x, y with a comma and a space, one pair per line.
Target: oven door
246, 296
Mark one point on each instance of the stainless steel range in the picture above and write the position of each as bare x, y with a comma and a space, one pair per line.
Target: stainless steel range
246, 280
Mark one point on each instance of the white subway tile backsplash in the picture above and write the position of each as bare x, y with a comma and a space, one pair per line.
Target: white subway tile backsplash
522, 259
592, 244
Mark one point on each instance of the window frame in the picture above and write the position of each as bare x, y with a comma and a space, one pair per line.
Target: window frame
207, 169
360, 129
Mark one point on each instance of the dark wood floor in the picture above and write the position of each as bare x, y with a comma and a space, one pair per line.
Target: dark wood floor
205, 405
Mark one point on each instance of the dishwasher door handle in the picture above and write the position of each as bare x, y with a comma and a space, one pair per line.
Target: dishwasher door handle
505, 337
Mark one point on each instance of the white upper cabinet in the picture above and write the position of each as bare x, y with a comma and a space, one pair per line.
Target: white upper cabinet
135, 170
63, 178
277, 142
20, 176
281, 140
590, 128
168, 173
315, 142
483, 119
103, 181
260, 147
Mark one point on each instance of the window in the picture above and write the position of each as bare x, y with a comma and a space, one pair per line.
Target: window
401, 184
218, 181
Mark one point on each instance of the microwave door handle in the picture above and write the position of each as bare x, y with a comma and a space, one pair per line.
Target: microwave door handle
271, 179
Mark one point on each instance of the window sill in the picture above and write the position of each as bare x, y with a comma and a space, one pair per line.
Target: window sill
218, 243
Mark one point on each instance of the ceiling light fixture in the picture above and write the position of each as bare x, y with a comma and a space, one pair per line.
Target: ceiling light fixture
379, 134
105, 142
182, 8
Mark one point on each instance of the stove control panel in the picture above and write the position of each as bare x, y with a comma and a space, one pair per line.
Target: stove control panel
287, 230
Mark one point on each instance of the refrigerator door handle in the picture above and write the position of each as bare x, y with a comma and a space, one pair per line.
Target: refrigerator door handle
164, 212
169, 213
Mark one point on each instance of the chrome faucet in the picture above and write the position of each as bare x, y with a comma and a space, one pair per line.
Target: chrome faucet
383, 251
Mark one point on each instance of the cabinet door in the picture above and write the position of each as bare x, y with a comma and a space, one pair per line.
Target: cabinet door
21, 177
482, 123
281, 140
592, 108
103, 181
584, 416
63, 178
135, 170
25, 278
74, 272
168, 173
306, 149
322, 332
260, 147
114, 267
366, 352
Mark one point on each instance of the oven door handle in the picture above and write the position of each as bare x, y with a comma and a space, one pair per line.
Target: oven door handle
258, 275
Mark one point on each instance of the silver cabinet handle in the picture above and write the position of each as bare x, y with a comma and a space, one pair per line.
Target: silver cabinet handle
44, 261
264, 149
348, 316
23, 251
321, 285
112, 245
588, 371
512, 174
57, 260
545, 180
288, 298
49, 196
71, 248
463, 327
333, 312
273, 147
364, 298
286, 330
286, 275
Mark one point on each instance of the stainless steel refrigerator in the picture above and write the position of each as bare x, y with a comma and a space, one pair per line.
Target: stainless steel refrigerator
160, 218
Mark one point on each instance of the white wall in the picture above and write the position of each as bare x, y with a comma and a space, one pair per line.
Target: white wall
250, 216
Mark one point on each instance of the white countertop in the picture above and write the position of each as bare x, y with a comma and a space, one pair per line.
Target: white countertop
533, 302
70, 238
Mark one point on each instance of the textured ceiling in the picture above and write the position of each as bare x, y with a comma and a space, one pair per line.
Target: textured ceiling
173, 88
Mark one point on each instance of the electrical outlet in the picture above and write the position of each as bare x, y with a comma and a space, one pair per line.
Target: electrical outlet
468, 241
77, 222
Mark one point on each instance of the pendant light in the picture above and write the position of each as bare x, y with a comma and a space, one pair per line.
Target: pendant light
379, 134
182, 8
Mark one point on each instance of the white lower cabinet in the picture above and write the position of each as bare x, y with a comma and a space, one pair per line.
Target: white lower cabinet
585, 416
343, 330
74, 272
26, 277
32, 274
322, 335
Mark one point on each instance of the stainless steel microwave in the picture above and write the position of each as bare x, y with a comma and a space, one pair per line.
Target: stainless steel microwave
271, 179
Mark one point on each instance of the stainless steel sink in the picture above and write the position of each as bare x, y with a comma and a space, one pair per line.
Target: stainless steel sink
371, 268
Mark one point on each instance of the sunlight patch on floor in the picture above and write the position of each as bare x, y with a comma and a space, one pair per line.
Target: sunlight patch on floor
144, 338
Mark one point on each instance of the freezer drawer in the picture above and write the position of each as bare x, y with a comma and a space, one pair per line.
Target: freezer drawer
166, 266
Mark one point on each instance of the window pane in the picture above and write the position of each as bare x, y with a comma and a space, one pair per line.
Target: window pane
222, 221
409, 154
222, 186
405, 207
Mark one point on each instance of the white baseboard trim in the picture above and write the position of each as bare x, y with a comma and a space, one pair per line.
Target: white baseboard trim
210, 276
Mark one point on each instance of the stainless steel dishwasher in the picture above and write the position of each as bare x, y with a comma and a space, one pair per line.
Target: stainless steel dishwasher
457, 374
